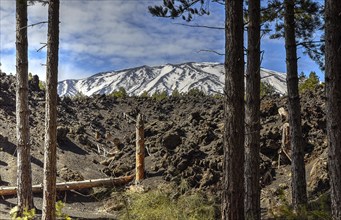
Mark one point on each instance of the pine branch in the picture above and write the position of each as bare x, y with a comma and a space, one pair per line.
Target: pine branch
44, 45
35, 24
200, 26
211, 51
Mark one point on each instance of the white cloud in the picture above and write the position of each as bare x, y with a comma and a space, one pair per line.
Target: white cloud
123, 32
111, 35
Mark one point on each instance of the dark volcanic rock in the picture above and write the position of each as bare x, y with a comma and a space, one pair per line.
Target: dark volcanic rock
61, 133
183, 135
34, 83
171, 141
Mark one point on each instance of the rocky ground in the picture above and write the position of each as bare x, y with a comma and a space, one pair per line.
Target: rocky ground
183, 138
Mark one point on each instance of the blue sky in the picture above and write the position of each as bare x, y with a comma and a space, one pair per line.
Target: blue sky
103, 35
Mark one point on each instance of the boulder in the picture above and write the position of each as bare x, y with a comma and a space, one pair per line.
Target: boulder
318, 176
61, 133
171, 141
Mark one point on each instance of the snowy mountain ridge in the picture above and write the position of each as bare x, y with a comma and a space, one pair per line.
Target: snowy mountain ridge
208, 77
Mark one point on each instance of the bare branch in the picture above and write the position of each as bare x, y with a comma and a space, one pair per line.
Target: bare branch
44, 2
200, 26
44, 45
219, 2
32, 25
211, 51
262, 56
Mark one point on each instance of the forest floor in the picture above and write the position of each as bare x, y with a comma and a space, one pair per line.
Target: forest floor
183, 144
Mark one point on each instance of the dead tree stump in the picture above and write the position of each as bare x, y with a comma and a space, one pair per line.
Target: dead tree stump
285, 149
140, 149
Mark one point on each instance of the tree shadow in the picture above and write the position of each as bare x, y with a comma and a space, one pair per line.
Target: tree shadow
4, 183
3, 164
37, 161
68, 145
7, 203
11, 149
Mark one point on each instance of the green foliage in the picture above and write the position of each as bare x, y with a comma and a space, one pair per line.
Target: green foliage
42, 85
79, 96
176, 93
144, 94
287, 212
310, 83
159, 96
120, 93
266, 89
186, 9
31, 214
195, 92
316, 210
59, 211
218, 96
308, 21
159, 204
30, 76
27, 214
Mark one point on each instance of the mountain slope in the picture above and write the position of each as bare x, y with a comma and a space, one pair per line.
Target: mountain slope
208, 77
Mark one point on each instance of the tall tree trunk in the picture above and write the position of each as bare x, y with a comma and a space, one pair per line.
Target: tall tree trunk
50, 170
333, 93
252, 118
233, 192
298, 183
24, 176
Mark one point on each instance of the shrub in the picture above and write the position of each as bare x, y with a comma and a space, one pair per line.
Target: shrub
31, 214
59, 211
266, 89
176, 93
144, 94
26, 215
195, 92
310, 83
42, 85
159, 96
120, 93
161, 204
79, 96
30, 76
316, 210
218, 96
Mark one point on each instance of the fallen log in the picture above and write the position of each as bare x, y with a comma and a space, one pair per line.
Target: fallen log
64, 186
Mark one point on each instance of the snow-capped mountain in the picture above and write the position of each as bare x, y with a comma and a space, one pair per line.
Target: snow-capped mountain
208, 77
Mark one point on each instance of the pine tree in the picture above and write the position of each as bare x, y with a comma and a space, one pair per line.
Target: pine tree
252, 116
50, 165
296, 21
24, 176
333, 94
185, 9
298, 182
233, 181
308, 20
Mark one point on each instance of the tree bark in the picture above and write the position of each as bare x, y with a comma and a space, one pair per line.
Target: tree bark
50, 170
65, 186
333, 93
139, 148
298, 183
252, 117
24, 176
233, 180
